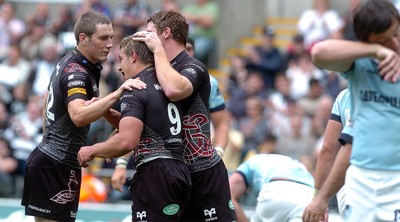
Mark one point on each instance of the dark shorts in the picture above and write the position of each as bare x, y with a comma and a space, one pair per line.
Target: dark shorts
51, 189
160, 190
210, 199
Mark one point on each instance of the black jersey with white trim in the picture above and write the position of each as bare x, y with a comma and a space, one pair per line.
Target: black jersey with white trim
74, 77
198, 150
161, 136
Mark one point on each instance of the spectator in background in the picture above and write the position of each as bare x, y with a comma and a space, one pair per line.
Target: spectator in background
278, 100
25, 131
40, 76
266, 58
11, 28
237, 73
131, 16
20, 96
4, 118
310, 101
300, 71
92, 5
254, 125
203, 16
295, 49
253, 86
167, 5
319, 23
8, 164
63, 22
40, 15
347, 31
14, 70
37, 37
298, 144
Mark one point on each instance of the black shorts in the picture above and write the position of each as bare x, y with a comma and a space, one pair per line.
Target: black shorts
160, 190
210, 199
51, 189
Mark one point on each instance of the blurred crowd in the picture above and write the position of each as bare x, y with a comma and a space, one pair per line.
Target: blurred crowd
278, 101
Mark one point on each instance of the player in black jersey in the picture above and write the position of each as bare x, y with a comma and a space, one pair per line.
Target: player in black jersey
185, 78
151, 126
53, 174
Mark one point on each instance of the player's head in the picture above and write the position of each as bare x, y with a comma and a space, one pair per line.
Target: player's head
377, 21
93, 33
190, 46
169, 23
133, 53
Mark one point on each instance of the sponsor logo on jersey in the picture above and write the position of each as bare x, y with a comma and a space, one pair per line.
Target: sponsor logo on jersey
75, 91
171, 209
76, 83
157, 86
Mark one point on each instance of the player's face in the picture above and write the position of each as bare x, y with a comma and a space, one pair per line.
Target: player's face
124, 64
99, 46
152, 28
390, 38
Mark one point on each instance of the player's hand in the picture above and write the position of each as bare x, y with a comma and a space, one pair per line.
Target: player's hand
131, 84
135, 83
84, 156
118, 178
88, 102
150, 38
316, 211
389, 65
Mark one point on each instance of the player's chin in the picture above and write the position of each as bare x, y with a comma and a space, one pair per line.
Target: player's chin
103, 57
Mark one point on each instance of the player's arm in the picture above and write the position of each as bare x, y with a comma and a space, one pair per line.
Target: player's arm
44, 111
174, 85
238, 188
316, 209
220, 121
113, 117
326, 156
339, 55
123, 142
82, 114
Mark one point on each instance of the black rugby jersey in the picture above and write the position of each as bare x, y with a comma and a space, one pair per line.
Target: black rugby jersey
74, 77
198, 150
162, 125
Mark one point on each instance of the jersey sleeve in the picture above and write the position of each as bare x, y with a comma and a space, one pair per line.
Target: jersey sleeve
245, 170
197, 74
132, 104
76, 86
216, 100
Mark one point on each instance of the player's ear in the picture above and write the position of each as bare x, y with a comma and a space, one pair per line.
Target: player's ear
134, 56
167, 32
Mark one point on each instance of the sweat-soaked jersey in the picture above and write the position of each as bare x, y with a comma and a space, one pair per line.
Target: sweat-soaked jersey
74, 77
161, 136
198, 151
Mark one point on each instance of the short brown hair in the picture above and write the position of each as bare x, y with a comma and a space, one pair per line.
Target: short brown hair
128, 46
87, 23
173, 20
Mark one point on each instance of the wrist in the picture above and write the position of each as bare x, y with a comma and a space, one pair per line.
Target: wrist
316, 191
220, 150
121, 163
